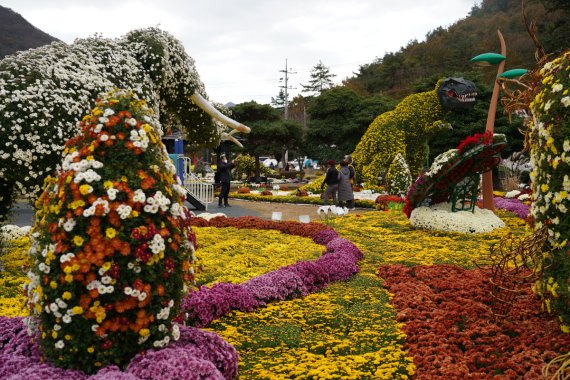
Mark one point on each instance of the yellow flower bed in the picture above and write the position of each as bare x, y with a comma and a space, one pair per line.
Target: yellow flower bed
15, 260
388, 238
236, 255
347, 331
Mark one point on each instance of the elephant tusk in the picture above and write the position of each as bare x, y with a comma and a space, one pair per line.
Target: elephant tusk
229, 137
207, 107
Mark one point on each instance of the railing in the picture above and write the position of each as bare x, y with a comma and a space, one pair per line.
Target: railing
196, 187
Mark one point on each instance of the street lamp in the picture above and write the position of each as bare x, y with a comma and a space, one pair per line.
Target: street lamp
488, 59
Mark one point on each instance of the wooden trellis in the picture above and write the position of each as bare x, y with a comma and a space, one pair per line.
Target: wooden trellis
515, 263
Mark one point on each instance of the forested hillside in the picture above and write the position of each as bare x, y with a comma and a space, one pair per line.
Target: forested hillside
447, 50
17, 34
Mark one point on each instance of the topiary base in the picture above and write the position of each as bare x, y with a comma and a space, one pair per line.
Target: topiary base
440, 217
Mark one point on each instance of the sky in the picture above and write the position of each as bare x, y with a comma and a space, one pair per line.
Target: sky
241, 46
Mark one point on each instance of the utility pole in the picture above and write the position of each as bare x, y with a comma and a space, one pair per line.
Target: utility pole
287, 72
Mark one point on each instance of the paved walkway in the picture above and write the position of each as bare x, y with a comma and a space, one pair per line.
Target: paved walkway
22, 214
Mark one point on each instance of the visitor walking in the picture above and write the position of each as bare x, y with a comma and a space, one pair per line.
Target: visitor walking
225, 170
345, 193
331, 181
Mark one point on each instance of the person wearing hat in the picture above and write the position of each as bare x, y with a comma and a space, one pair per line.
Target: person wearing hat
331, 180
225, 172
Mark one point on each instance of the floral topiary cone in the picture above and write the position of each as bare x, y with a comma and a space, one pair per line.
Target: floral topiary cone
550, 160
112, 245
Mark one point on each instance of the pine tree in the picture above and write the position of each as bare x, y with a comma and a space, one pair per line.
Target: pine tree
321, 79
279, 101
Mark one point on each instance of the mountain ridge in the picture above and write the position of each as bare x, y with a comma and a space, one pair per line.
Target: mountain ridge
17, 34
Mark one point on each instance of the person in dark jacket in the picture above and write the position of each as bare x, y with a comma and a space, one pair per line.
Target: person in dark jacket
225, 173
345, 193
331, 180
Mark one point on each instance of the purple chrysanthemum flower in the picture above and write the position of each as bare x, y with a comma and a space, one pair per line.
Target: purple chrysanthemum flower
201, 307
324, 236
513, 205
276, 286
341, 245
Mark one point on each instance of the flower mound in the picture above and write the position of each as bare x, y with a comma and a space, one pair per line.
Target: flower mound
197, 354
440, 217
113, 246
447, 322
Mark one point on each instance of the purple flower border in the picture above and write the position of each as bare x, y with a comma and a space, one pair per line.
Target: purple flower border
337, 263
197, 354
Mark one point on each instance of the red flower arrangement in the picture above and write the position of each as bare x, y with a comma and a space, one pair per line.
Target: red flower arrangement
288, 227
383, 201
477, 139
437, 185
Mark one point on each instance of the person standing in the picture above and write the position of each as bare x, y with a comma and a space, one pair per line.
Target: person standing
331, 180
225, 171
345, 193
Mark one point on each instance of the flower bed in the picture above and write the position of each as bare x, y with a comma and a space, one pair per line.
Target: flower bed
200, 308
337, 263
447, 320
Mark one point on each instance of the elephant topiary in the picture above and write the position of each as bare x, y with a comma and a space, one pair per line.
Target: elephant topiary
407, 129
44, 91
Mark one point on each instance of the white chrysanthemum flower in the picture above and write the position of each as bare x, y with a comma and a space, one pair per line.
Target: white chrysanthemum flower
112, 193
68, 225
139, 196
175, 332
124, 211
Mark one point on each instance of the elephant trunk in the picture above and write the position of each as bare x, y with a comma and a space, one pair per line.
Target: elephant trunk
207, 107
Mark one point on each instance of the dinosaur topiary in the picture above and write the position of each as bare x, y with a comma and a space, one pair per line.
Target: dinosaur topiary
112, 247
44, 91
407, 129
